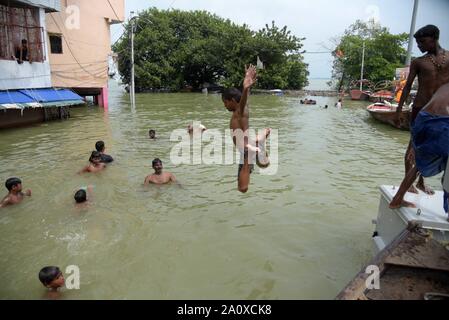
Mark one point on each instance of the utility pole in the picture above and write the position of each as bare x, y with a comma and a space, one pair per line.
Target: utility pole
133, 88
412, 31
363, 67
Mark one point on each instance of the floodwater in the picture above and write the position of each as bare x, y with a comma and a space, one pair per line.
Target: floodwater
300, 234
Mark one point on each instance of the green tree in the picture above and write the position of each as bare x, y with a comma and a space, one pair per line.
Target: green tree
383, 54
174, 49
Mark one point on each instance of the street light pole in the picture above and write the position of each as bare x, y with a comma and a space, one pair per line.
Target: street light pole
412, 31
363, 67
133, 88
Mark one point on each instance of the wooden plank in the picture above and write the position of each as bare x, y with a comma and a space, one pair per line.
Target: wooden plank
404, 283
418, 251
356, 289
412, 249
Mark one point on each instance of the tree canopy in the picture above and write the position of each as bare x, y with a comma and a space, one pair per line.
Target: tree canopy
383, 54
175, 49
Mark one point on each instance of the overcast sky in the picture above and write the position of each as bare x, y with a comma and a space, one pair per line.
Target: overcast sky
317, 20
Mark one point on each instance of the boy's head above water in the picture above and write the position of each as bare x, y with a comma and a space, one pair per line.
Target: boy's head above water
231, 98
95, 157
157, 166
13, 185
100, 146
152, 134
52, 277
81, 196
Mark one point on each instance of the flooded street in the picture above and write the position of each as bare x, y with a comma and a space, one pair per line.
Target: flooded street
300, 234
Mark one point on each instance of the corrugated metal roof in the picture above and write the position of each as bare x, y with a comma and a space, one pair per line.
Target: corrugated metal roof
12, 97
51, 95
34, 98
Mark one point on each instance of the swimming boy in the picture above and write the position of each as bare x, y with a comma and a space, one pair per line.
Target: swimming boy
152, 135
15, 195
101, 148
82, 196
159, 177
236, 102
95, 163
53, 279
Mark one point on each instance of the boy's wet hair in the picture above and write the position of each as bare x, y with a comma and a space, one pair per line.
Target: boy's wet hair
156, 161
232, 93
48, 274
99, 146
429, 31
152, 131
95, 154
81, 196
12, 182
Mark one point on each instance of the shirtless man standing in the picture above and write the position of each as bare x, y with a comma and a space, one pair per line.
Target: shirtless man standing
432, 71
236, 102
430, 136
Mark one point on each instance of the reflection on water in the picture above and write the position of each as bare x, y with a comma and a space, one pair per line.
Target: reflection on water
301, 234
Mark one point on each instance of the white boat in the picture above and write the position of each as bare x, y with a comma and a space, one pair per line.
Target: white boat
429, 214
386, 112
277, 92
411, 252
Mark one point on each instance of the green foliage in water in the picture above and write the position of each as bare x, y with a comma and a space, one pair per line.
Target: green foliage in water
383, 54
178, 49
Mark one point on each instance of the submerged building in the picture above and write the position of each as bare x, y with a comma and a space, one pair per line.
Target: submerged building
80, 45
26, 90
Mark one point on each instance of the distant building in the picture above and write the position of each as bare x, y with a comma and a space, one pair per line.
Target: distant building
26, 93
80, 45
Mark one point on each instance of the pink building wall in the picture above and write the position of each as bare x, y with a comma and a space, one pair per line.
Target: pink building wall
84, 26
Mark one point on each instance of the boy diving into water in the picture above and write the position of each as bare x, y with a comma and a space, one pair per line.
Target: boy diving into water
250, 151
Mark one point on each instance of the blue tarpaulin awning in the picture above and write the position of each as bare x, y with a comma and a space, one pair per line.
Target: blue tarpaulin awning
7, 97
39, 98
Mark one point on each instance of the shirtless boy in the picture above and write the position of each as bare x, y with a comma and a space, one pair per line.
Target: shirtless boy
432, 71
236, 102
15, 195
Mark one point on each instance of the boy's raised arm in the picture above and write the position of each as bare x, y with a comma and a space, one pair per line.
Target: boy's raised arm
248, 82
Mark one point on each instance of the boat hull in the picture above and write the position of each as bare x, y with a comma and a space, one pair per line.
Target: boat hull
411, 253
387, 115
381, 96
429, 214
359, 95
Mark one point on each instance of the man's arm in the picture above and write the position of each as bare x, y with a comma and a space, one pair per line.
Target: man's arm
173, 179
248, 82
147, 181
84, 170
95, 170
5, 202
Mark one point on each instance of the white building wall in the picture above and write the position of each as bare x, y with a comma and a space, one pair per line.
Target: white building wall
27, 75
